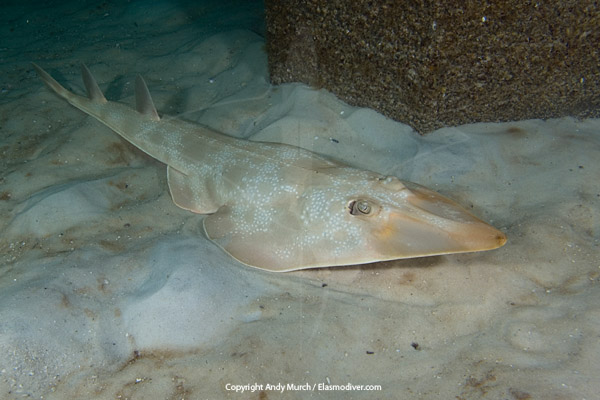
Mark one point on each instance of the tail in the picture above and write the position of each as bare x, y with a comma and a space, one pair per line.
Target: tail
144, 104
141, 126
93, 91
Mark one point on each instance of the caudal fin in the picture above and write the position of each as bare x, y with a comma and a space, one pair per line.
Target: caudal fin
50, 82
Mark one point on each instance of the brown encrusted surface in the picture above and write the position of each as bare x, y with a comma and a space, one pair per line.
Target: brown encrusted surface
437, 63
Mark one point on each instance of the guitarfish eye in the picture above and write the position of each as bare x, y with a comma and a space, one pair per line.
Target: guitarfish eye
359, 207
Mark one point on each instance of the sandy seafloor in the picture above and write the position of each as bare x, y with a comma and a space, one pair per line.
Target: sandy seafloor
109, 291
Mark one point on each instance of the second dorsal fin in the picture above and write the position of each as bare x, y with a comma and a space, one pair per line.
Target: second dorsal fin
143, 101
93, 91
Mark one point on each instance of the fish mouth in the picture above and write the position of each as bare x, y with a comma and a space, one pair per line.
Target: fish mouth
432, 224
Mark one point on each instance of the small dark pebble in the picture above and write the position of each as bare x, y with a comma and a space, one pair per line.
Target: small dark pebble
323, 285
415, 345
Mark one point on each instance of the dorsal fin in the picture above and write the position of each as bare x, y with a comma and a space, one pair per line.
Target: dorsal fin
93, 91
143, 101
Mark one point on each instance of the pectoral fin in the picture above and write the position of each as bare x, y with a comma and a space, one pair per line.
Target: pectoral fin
267, 240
